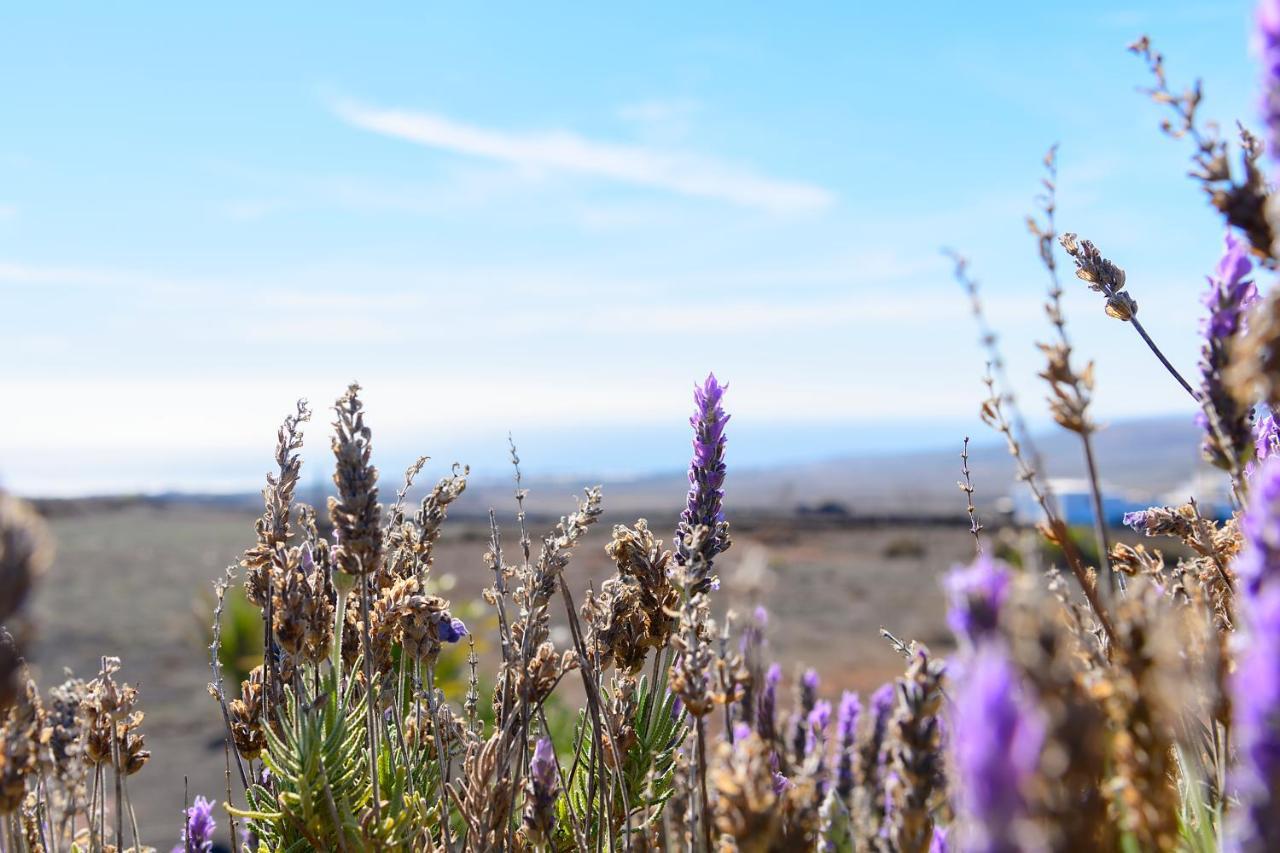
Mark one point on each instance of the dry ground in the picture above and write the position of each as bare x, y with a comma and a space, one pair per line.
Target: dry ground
134, 583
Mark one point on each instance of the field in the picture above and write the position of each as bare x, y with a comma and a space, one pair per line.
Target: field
136, 582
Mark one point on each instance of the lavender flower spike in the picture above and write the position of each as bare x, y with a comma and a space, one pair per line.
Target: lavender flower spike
1269, 48
1259, 559
998, 738
767, 710
847, 735
1227, 441
1266, 441
705, 507
197, 832
977, 593
541, 788
1256, 704
815, 745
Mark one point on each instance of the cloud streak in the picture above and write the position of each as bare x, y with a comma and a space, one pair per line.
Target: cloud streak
566, 152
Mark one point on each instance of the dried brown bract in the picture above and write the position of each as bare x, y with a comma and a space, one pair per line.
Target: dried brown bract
246, 717
483, 795
1253, 372
1055, 656
22, 737
746, 803
543, 673
411, 544
1144, 794
1072, 391
273, 527
915, 787
304, 600
1101, 275
355, 512
1242, 202
634, 612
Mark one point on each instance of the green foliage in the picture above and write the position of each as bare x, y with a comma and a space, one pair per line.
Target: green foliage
647, 772
320, 770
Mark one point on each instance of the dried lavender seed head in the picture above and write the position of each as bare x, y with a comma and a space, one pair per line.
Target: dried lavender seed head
355, 512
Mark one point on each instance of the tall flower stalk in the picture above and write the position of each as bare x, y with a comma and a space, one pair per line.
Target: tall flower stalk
705, 505
1268, 42
1255, 687
1228, 441
998, 737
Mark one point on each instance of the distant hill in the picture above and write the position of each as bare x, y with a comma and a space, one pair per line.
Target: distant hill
1152, 455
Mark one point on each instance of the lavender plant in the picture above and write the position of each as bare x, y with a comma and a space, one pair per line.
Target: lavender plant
1064, 718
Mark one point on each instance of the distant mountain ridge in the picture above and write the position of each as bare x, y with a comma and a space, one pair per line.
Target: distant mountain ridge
1149, 455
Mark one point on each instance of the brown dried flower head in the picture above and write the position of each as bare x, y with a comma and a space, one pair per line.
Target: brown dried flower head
355, 512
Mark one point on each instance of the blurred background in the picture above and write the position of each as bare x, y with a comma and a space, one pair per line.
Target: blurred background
549, 223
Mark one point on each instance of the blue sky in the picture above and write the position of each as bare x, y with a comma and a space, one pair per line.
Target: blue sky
552, 221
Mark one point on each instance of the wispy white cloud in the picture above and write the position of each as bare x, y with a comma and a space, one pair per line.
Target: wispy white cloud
8, 211
567, 152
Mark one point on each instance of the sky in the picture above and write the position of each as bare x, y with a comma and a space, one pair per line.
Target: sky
550, 221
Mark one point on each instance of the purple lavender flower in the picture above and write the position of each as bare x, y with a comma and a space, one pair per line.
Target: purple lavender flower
1259, 559
977, 593
542, 766
847, 718
1268, 39
1266, 441
846, 735
753, 634
815, 745
1256, 706
767, 711
1230, 293
998, 738
818, 721
939, 844
452, 631
706, 472
1227, 437
809, 682
197, 832
751, 646
1135, 521
540, 791
880, 707
806, 699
